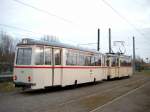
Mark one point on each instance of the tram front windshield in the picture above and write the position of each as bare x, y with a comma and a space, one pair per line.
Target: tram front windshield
24, 56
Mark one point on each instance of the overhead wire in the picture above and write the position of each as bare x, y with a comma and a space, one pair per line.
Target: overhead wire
66, 20
124, 18
44, 11
18, 28
29, 32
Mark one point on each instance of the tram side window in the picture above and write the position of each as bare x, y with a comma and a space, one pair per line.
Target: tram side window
48, 56
39, 56
68, 58
113, 62
107, 62
57, 54
24, 56
124, 62
117, 63
97, 60
81, 60
93, 61
88, 61
71, 58
103, 60
75, 59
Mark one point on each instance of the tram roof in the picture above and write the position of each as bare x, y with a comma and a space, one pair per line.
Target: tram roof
27, 41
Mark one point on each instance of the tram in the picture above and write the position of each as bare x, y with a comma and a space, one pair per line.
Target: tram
40, 64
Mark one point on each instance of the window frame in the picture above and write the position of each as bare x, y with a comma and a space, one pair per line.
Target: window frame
51, 55
16, 59
34, 61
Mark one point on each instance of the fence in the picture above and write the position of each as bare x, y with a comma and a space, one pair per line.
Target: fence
6, 70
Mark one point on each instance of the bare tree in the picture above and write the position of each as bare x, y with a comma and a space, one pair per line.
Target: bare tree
7, 48
49, 38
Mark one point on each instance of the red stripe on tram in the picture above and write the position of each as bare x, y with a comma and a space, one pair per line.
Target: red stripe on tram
63, 67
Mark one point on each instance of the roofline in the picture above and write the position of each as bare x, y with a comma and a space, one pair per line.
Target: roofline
55, 44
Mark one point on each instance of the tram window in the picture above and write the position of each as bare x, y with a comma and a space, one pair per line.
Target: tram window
48, 56
68, 58
113, 61
93, 61
81, 59
124, 62
87, 61
71, 58
107, 62
74, 59
117, 63
103, 61
24, 56
57, 54
39, 56
97, 60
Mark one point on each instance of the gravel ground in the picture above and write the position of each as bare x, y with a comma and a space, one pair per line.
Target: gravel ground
137, 101
84, 98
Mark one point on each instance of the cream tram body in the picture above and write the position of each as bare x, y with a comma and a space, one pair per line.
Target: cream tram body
42, 64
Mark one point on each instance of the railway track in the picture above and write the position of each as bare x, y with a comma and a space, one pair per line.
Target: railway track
97, 92
90, 98
116, 99
100, 92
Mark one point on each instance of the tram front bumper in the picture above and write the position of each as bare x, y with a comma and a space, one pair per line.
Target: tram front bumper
22, 84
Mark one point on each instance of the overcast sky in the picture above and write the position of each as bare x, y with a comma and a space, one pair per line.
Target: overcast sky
76, 21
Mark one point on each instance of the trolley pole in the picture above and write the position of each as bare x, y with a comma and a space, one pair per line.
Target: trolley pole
98, 39
133, 55
109, 40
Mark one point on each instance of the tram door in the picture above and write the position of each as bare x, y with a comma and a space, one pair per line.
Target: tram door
57, 70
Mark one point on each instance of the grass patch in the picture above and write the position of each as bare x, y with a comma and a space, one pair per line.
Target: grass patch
144, 72
7, 87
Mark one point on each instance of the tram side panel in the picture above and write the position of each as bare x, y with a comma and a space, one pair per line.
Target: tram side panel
125, 67
21, 74
130, 71
42, 77
81, 75
122, 71
105, 72
70, 75
125, 71
98, 74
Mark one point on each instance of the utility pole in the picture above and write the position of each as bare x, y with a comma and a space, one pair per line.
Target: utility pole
109, 40
133, 55
98, 39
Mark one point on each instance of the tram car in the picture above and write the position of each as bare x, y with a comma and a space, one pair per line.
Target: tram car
40, 64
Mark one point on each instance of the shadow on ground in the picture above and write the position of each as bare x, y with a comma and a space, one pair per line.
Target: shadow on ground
60, 89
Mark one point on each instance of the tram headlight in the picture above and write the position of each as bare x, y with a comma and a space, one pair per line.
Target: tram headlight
29, 78
14, 77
